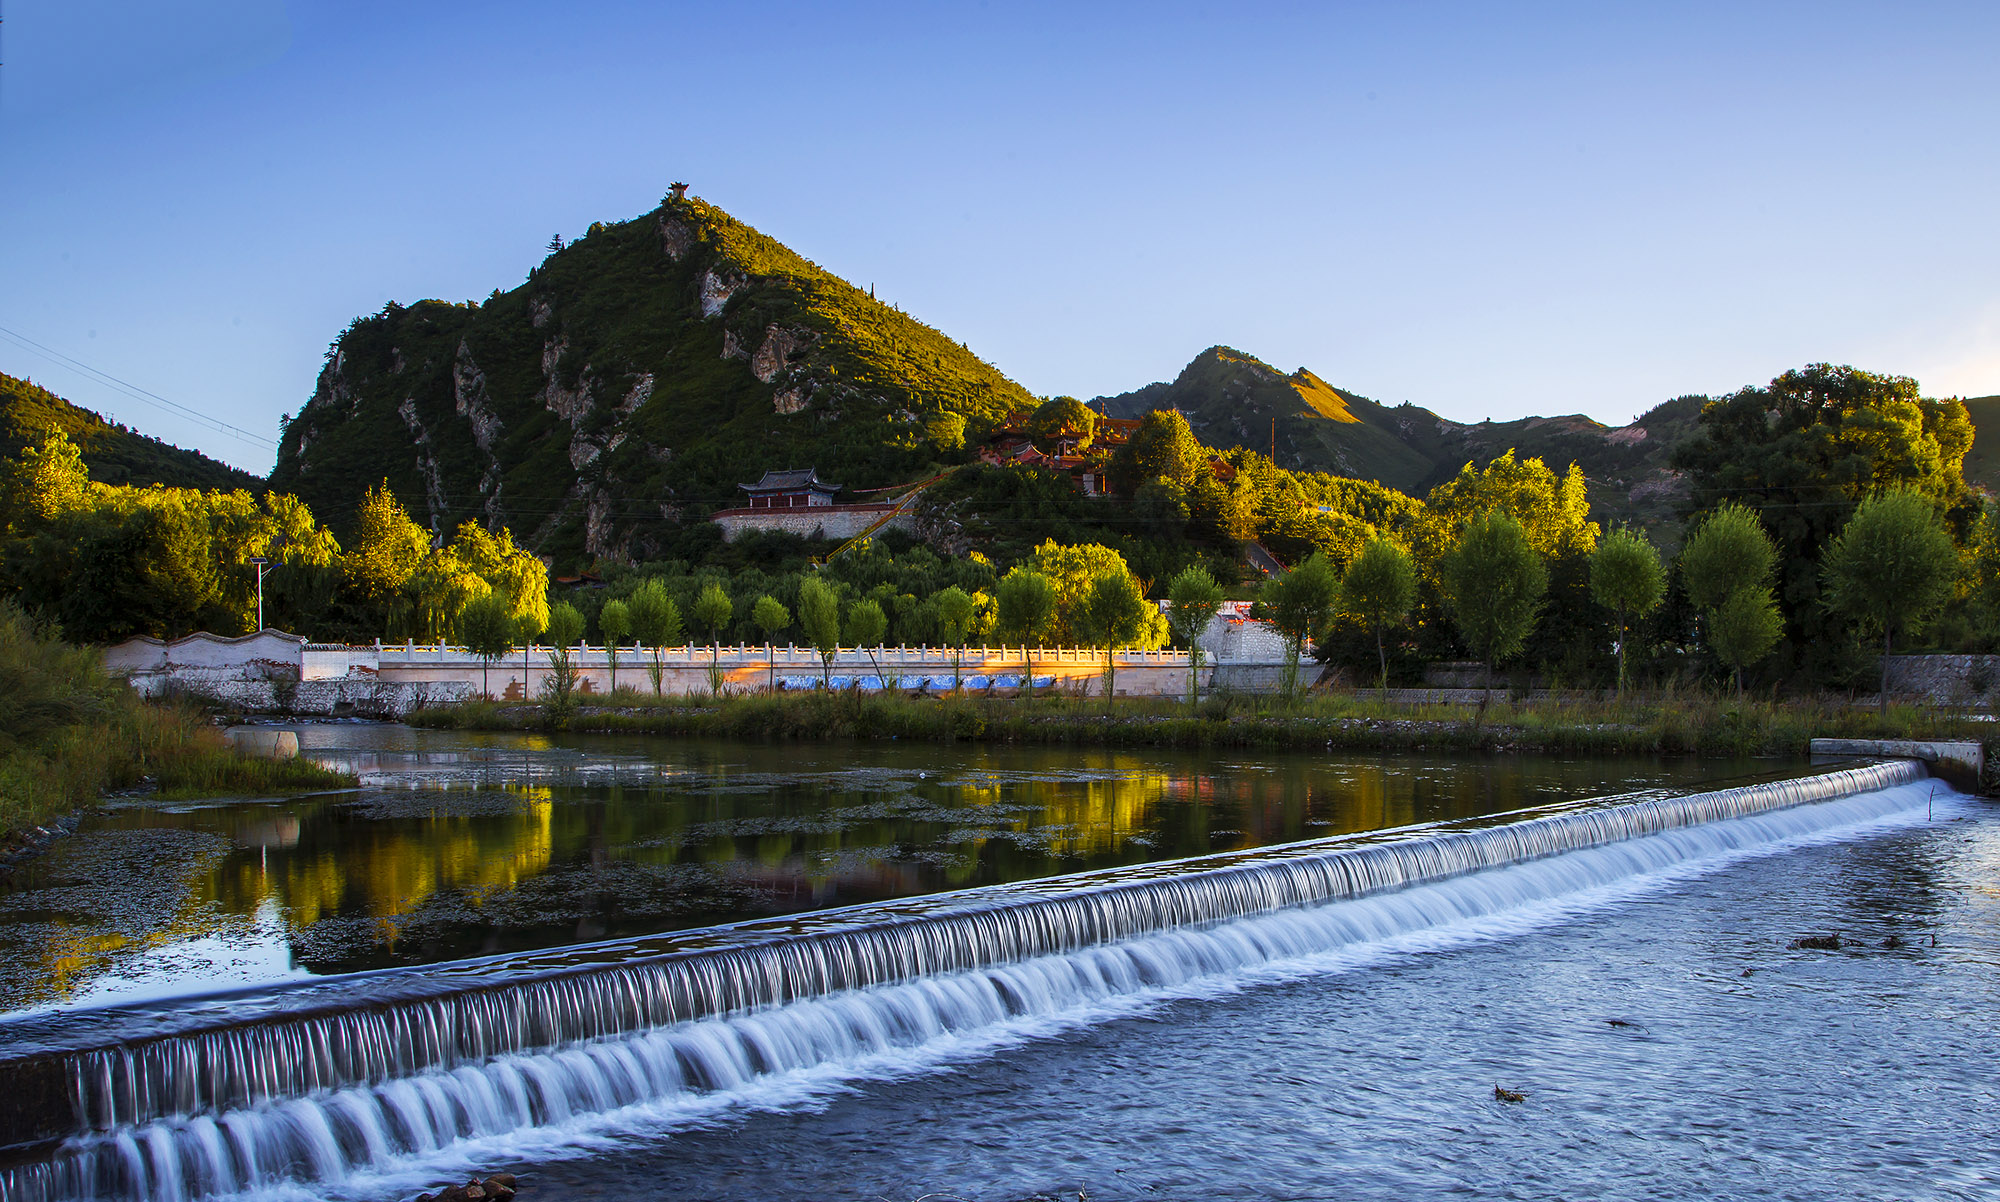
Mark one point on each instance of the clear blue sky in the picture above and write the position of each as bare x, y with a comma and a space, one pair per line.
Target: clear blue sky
1488, 209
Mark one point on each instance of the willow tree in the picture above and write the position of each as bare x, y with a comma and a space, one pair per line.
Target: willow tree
711, 612
1025, 603
1727, 566
819, 617
1627, 577
1298, 605
956, 611
565, 630
656, 620
1194, 599
614, 621
771, 616
1891, 569
1380, 588
864, 628
1494, 583
488, 632
1113, 615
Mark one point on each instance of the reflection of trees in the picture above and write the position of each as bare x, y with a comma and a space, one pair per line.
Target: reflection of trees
423, 872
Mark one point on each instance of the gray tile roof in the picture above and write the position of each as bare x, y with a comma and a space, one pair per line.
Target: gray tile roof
774, 481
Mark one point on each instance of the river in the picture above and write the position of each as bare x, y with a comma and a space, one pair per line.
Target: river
1105, 1028
471, 844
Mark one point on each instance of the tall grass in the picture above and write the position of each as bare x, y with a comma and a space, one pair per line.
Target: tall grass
69, 732
1680, 722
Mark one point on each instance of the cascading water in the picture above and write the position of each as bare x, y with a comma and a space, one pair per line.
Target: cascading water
360, 1075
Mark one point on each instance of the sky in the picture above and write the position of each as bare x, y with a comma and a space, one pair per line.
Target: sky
1489, 209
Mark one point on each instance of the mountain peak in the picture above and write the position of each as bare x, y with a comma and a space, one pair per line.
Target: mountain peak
609, 403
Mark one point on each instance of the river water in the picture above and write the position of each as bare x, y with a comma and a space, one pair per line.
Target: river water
1667, 1041
473, 844
1645, 998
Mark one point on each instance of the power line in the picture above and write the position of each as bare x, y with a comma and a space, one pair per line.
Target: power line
137, 393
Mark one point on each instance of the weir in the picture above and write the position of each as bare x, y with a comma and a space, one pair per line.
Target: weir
345, 1076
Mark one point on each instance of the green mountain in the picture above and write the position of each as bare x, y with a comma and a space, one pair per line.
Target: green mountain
638, 376
114, 454
1234, 399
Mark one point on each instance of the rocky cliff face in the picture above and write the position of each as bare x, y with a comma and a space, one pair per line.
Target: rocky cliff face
628, 386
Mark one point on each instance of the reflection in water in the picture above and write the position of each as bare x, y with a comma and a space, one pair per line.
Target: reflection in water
459, 845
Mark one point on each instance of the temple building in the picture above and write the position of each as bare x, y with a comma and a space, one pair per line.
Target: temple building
794, 489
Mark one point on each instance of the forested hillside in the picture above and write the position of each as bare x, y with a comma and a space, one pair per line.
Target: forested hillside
1304, 423
116, 454
625, 389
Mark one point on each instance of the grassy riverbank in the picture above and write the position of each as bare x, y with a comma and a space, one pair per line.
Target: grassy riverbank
1682, 723
69, 733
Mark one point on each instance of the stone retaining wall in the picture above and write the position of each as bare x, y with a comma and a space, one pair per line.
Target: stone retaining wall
1946, 679
356, 697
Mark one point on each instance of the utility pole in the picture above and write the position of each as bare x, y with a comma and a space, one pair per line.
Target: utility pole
262, 562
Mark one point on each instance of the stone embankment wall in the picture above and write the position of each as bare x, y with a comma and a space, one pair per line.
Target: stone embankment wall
1946, 679
813, 521
360, 697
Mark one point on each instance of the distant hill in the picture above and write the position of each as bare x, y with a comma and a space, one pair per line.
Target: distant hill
114, 454
1982, 463
639, 375
1235, 399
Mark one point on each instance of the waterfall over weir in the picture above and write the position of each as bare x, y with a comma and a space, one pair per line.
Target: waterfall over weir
345, 1077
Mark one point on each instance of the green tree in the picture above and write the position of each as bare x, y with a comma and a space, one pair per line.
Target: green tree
945, 431
1073, 570
711, 612
1063, 423
656, 620
1026, 606
488, 632
1113, 615
529, 627
48, 481
1727, 565
1892, 568
1380, 588
1984, 569
565, 630
1744, 628
866, 624
1194, 599
383, 553
615, 622
1726, 553
1554, 514
1804, 451
819, 617
1298, 606
1494, 583
1627, 577
956, 609
1162, 448
771, 616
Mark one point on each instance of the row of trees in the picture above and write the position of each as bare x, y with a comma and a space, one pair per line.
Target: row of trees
1063, 596
1891, 569
111, 561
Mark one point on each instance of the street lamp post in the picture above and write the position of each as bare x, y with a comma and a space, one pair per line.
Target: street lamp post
262, 562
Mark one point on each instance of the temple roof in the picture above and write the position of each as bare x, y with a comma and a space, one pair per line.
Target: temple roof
794, 478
